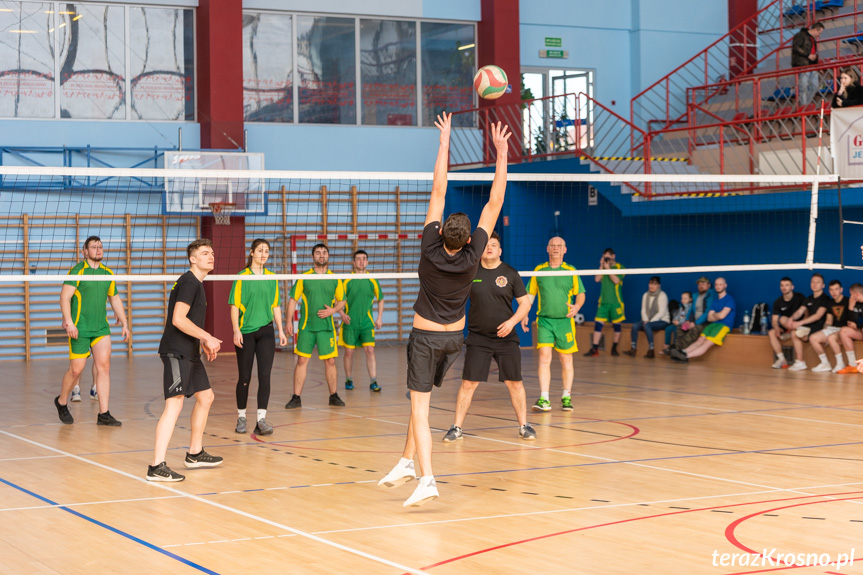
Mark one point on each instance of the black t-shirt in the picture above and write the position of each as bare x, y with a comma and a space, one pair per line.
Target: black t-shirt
856, 314
445, 279
812, 305
840, 312
189, 290
491, 295
782, 308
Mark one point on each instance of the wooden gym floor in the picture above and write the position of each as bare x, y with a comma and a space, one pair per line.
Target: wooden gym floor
661, 468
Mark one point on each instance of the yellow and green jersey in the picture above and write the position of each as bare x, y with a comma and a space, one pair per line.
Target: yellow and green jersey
360, 294
317, 294
89, 312
255, 300
609, 292
554, 293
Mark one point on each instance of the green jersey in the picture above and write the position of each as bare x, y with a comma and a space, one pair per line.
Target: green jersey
554, 293
360, 294
88, 304
316, 295
609, 292
255, 300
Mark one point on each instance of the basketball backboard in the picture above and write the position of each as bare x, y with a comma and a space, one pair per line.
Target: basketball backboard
193, 195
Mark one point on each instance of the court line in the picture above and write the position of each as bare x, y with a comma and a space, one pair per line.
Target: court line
219, 506
113, 529
88, 503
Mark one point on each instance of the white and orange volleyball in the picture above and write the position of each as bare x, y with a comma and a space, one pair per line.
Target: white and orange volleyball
490, 82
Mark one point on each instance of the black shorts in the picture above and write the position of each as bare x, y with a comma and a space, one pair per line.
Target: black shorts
183, 376
480, 351
430, 355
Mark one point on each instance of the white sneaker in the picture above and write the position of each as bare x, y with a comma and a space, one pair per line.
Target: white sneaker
839, 367
93, 395
425, 492
785, 336
798, 366
400, 475
76, 394
780, 363
822, 367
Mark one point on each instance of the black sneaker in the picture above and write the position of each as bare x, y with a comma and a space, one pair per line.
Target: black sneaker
162, 472
592, 352
336, 401
107, 419
614, 352
63, 412
294, 403
202, 459
349, 384
527, 432
454, 434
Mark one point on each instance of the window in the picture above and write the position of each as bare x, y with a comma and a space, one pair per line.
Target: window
388, 72
326, 65
27, 60
268, 68
448, 66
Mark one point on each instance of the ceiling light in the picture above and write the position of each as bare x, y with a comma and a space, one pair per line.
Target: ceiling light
467, 47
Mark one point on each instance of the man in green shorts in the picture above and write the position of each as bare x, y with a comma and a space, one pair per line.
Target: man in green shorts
358, 327
610, 302
321, 300
86, 323
555, 323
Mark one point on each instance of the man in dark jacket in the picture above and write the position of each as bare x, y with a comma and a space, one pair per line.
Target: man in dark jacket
804, 52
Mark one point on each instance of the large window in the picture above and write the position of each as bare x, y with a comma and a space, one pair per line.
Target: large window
448, 66
327, 69
268, 68
388, 72
112, 62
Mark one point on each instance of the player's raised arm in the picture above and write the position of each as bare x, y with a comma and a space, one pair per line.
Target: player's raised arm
500, 136
438, 195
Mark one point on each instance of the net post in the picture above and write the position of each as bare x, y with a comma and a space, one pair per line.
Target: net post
841, 225
25, 235
813, 220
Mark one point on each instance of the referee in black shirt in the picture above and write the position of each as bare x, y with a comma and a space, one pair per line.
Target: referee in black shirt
491, 324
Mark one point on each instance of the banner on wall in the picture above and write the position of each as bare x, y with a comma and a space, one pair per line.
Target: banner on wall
846, 142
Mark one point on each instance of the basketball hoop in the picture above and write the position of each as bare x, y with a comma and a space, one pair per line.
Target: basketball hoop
222, 212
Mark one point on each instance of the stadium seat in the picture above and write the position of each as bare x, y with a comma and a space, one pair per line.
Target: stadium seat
780, 94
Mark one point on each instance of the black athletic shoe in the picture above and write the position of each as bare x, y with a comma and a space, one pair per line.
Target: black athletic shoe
202, 459
614, 351
294, 403
162, 472
336, 401
678, 355
592, 352
63, 412
107, 419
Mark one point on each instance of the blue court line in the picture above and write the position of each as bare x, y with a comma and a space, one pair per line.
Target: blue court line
112, 529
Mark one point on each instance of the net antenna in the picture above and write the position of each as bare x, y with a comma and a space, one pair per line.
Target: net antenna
222, 212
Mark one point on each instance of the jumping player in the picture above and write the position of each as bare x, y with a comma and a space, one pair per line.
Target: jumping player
358, 327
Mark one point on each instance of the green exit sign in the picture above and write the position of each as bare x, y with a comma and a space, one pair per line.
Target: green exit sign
554, 54
553, 42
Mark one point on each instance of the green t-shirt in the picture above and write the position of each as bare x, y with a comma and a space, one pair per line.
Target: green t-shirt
360, 294
554, 293
89, 312
317, 294
609, 292
255, 300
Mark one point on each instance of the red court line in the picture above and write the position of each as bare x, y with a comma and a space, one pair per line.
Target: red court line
622, 521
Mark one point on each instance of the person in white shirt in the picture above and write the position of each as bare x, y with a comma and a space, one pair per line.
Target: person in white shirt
654, 316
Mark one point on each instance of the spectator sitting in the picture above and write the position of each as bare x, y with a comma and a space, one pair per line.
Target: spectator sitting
654, 316
721, 320
849, 92
783, 308
837, 316
688, 332
804, 52
851, 332
683, 315
808, 319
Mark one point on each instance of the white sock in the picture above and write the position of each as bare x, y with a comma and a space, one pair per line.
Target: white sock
427, 480
566, 393
262, 414
405, 462
852, 357
780, 356
839, 359
823, 358
544, 395
242, 412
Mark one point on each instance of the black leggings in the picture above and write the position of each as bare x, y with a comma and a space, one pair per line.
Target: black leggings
260, 344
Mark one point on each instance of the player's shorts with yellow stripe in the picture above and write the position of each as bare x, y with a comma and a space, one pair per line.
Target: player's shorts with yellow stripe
325, 340
716, 332
610, 311
351, 338
80, 347
556, 332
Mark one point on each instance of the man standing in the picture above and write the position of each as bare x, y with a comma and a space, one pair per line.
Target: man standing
449, 258
490, 324
85, 320
184, 373
721, 321
610, 302
321, 300
783, 308
804, 52
555, 326
358, 327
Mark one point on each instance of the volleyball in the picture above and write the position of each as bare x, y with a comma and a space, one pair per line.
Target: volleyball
490, 82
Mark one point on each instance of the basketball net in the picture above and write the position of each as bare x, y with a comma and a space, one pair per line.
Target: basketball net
222, 212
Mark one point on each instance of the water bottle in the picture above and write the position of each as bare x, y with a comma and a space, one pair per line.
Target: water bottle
764, 323
746, 319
